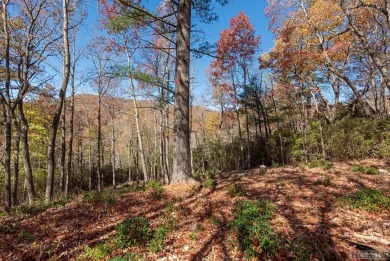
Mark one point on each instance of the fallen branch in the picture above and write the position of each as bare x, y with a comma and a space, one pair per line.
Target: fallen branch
372, 239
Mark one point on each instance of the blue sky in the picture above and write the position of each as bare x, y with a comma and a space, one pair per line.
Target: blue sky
253, 8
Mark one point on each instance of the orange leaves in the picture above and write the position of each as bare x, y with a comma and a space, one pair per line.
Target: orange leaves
325, 15
238, 42
235, 49
311, 30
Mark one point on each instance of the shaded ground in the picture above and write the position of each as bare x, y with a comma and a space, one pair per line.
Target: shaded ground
307, 213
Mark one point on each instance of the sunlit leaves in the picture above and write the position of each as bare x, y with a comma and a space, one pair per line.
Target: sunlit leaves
238, 43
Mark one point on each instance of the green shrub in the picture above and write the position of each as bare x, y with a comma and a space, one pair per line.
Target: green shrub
302, 167
328, 165
250, 253
95, 253
365, 170
156, 244
358, 138
315, 164
156, 189
372, 171
193, 236
321, 163
128, 188
300, 248
7, 228
358, 168
201, 176
133, 231
38, 206
41, 205
217, 156
251, 219
276, 165
105, 198
35, 208
136, 232
198, 175
367, 199
210, 183
235, 190
168, 217
26, 236
326, 181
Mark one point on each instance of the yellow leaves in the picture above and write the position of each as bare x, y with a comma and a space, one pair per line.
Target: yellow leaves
325, 15
212, 122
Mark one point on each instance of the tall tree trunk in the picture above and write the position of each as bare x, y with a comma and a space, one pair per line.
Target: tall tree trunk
383, 100
7, 157
136, 115
99, 145
162, 145
71, 131
248, 143
167, 139
129, 159
57, 113
113, 145
90, 165
320, 127
242, 157
6, 101
156, 156
139, 134
80, 155
63, 150
26, 153
181, 149
14, 196
166, 146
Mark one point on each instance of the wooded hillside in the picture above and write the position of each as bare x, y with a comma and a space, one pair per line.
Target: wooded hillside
129, 115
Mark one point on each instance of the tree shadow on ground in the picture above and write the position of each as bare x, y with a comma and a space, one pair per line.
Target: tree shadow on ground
305, 203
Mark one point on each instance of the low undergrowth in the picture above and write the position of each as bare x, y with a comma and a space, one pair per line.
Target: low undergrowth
155, 188
235, 190
105, 198
136, 231
365, 170
367, 199
254, 232
95, 253
326, 165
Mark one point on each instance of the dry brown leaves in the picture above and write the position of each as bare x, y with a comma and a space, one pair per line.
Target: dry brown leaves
305, 208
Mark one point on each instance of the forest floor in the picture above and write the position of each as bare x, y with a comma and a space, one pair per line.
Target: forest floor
307, 217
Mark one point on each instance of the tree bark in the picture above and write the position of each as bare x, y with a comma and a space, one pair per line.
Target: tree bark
57, 113
113, 146
242, 157
181, 149
14, 196
71, 130
99, 144
7, 158
136, 115
63, 150
6, 109
248, 144
26, 153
